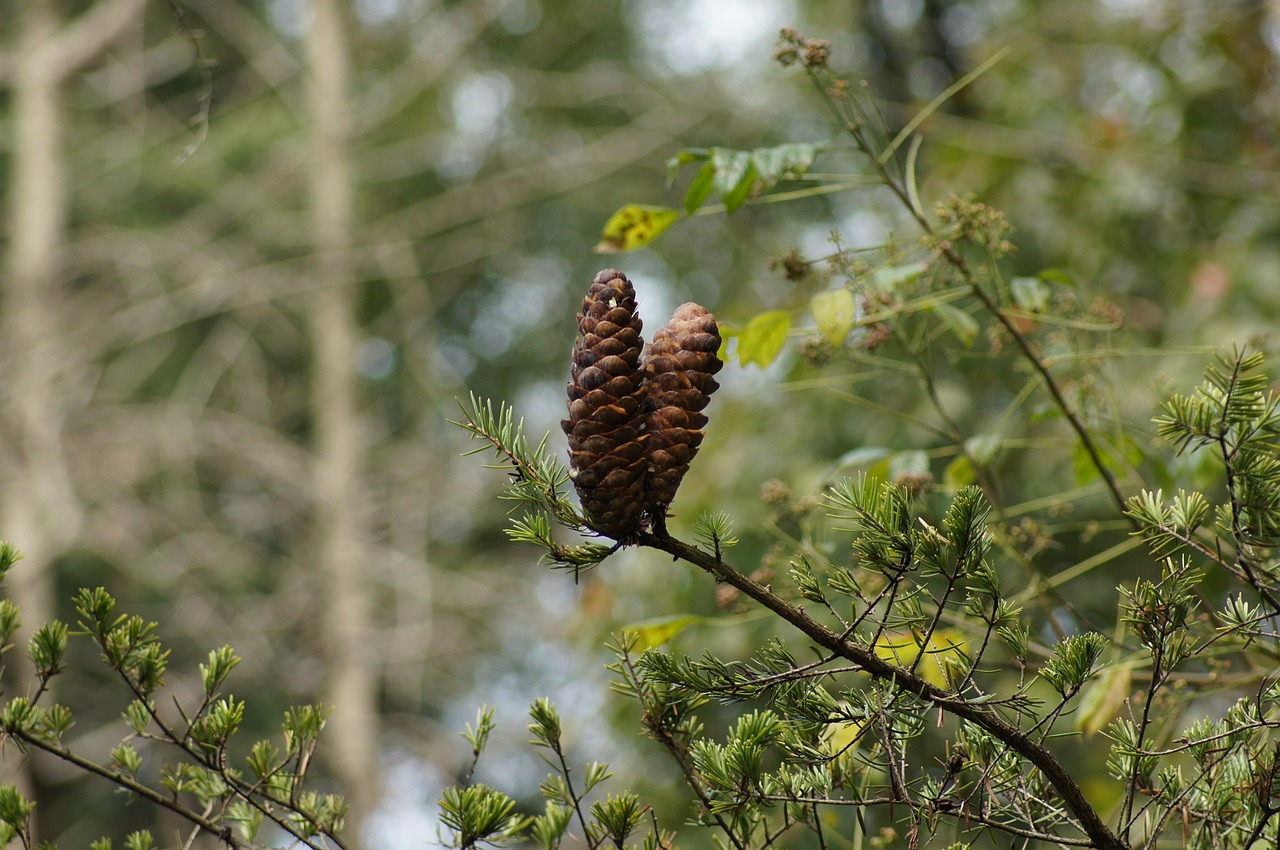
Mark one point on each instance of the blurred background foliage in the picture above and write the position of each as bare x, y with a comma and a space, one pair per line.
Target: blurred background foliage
1130, 143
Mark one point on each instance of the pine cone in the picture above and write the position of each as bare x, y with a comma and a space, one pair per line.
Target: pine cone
607, 408
679, 363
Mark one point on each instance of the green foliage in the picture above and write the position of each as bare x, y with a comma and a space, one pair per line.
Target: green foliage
192, 776
1073, 662
538, 487
763, 338
924, 668
715, 531
477, 814
904, 686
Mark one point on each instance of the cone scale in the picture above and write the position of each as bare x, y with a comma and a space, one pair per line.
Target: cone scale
679, 364
607, 407
635, 413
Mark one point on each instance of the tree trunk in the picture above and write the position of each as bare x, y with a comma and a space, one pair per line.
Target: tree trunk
351, 740
35, 511
39, 512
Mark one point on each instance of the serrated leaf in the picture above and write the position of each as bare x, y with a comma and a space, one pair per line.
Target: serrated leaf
834, 312
634, 226
960, 323
787, 160
700, 188
761, 341
655, 633
1102, 698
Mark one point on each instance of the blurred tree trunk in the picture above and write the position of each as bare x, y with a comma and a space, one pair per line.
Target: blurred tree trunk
39, 511
339, 516
36, 482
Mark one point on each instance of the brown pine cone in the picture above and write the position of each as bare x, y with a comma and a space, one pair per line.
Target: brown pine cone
679, 363
607, 408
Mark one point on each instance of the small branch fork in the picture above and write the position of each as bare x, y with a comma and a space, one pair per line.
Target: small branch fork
984, 717
905, 195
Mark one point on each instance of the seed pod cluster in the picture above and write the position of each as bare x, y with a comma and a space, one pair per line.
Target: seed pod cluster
635, 422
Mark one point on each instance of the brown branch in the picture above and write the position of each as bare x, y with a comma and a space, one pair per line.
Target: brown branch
958, 262
981, 716
224, 833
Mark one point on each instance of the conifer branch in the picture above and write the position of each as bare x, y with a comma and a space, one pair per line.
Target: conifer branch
980, 715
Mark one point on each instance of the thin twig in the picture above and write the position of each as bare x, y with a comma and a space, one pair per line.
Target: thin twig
980, 715
205, 98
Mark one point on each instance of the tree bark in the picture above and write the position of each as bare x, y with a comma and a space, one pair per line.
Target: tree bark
352, 737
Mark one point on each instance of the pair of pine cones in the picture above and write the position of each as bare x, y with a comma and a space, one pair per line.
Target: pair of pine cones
635, 419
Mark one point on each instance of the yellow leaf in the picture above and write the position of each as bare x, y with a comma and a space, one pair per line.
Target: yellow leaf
834, 311
839, 738
945, 657
762, 339
634, 226
1102, 699
654, 633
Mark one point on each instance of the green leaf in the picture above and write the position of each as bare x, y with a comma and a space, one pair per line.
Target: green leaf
960, 323
634, 226
1103, 698
981, 449
683, 158
890, 278
727, 332
734, 175
730, 168
1116, 458
655, 633
700, 188
872, 463
863, 457
834, 311
913, 462
1030, 293
762, 339
9, 555
1057, 276
221, 662
959, 473
788, 160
